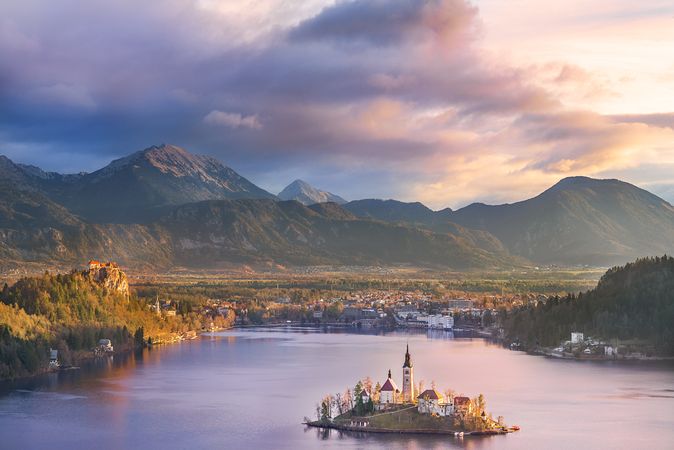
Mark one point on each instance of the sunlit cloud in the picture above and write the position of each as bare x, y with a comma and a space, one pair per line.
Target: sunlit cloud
442, 101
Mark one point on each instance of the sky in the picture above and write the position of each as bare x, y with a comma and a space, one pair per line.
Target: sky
446, 102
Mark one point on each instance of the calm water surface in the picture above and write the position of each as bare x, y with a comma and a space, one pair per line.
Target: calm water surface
251, 389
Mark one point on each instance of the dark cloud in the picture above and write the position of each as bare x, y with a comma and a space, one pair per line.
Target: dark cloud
394, 84
389, 22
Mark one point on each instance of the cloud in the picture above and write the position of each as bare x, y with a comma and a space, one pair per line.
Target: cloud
232, 120
389, 22
400, 98
64, 95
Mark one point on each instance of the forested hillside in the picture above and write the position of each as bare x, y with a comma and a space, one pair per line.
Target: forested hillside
632, 302
71, 312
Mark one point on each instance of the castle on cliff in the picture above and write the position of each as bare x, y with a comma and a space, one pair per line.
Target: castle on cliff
109, 275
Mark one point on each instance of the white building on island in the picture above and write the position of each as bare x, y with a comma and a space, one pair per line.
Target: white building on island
388, 393
431, 402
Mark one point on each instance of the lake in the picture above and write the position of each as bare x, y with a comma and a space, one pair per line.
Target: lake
252, 388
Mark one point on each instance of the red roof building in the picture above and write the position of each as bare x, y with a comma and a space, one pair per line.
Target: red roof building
430, 394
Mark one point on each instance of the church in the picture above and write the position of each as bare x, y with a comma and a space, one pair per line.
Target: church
389, 394
428, 402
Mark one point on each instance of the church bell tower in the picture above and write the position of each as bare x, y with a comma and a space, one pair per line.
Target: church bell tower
408, 378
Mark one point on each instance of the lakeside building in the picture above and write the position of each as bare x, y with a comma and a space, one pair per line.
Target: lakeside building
459, 303
441, 322
577, 338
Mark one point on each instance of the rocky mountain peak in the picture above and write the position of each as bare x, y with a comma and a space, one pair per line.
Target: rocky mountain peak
305, 193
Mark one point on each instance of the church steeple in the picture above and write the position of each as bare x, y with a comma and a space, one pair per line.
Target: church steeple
408, 361
408, 378
389, 373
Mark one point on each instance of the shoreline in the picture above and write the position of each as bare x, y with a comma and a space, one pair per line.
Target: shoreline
360, 429
475, 334
82, 357
596, 358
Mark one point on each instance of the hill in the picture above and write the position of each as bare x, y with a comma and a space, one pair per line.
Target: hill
34, 228
71, 312
306, 194
579, 221
291, 233
632, 302
203, 234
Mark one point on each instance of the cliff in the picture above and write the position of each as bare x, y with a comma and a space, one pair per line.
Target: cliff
109, 275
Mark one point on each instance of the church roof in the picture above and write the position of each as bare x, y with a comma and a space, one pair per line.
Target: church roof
389, 385
430, 394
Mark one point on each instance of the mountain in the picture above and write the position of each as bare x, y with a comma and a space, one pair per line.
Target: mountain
579, 220
140, 186
211, 233
418, 215
288, 232
34, 228
306, 194
163, 206
392, 210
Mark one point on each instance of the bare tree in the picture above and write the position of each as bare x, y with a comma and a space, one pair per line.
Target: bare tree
348, 398
339, 404
367, 384
449, 395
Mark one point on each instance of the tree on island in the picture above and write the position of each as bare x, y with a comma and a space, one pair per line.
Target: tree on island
359, 408
139, 337
339, 403
376, 392
480, 404
348, 398
326, 409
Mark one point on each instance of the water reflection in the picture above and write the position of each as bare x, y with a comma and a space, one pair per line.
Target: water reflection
251, 389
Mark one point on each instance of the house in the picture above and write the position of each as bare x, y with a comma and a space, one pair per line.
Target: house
389, 392
577, 338
428, 402
53, 359
441, 322
105, 345
459, 303
431, 402
365, 396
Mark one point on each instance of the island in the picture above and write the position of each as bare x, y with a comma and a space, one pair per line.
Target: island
384, 408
